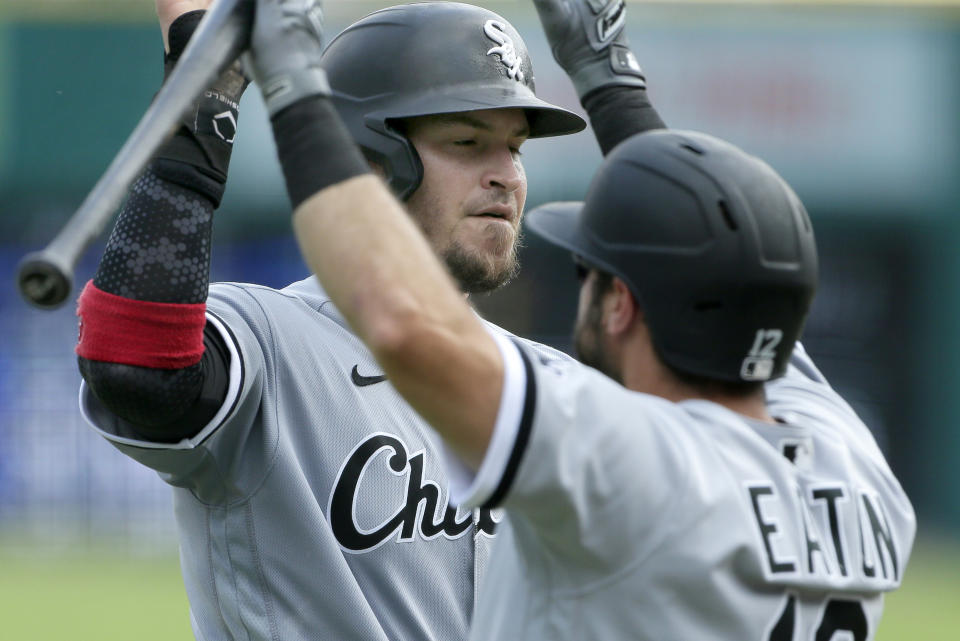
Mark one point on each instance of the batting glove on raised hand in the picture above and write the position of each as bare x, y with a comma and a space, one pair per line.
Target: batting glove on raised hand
204, 138
285, 48
588, 41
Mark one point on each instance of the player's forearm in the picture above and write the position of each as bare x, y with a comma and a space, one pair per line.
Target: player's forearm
158, 253
159, 250
198, 155
382, 275
616, 113
142, 342
152, 280
404, 306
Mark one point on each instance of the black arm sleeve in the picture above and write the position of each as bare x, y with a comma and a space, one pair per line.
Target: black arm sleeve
616, 113
164, 405
159, 251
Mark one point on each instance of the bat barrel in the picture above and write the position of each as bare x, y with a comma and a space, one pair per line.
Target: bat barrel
45, 277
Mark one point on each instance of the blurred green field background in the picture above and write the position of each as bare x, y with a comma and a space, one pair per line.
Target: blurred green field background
927, 606
882, 193
93, 596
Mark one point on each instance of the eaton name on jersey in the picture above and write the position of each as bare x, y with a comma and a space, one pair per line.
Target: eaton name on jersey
831, 532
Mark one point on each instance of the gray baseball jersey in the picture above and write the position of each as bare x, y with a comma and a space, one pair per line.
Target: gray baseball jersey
315, 504
632, 517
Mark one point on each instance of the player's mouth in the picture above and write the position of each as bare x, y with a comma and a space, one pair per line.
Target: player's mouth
497, 212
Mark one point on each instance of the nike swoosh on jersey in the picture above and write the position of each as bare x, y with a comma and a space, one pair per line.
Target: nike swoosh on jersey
362, 381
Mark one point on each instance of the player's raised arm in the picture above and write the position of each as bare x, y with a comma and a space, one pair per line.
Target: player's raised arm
143, 349
588, 40
169, 10
370, 257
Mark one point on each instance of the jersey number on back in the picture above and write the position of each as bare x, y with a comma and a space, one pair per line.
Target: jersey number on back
838, 615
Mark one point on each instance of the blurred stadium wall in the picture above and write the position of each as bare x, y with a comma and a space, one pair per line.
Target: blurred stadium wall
856, 104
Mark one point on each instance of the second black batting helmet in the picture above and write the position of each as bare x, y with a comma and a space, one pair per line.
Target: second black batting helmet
715, 246
430, 58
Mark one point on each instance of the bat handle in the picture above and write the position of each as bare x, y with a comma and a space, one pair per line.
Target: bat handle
45, 278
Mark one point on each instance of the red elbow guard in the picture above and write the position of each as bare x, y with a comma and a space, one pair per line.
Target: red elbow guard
115, 329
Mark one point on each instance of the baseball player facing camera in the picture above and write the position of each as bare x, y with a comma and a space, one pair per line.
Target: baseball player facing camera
311, 501
704, 481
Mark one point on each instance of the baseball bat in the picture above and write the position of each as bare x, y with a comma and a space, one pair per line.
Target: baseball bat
45, 277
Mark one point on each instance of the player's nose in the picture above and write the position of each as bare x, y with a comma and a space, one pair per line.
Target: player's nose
504, 171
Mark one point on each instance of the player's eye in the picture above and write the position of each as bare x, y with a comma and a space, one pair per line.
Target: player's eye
466, 142
581, 267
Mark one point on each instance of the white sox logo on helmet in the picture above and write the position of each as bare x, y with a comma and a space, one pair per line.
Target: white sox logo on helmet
496, 31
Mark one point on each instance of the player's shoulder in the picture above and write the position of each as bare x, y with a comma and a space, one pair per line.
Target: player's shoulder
804, 396
244, 296
238, 295
544, 353
805, 389
586, 387
303, 308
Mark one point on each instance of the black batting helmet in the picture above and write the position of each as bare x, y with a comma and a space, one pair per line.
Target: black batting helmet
715, 246
430, 58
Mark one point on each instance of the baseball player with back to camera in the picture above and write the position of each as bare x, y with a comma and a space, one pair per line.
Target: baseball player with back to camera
702, 480
311, 501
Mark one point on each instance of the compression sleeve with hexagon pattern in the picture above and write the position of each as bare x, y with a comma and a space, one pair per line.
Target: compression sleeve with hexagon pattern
145, 350
159, 252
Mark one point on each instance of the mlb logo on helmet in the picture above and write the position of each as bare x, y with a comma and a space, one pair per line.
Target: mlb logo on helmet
756, 369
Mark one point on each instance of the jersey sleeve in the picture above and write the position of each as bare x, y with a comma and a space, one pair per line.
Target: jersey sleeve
804, 388
802, 366
513, 423
804, 392
200, 461
579, 461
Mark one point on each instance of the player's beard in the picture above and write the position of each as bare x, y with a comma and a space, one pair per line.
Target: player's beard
588, 343
475, 274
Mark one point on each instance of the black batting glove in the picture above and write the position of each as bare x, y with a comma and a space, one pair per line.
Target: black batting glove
588, 41
204, 137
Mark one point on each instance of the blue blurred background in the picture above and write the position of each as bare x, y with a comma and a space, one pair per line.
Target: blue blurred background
856, 104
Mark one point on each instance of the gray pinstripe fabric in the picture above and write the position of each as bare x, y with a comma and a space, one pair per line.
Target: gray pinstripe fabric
317, 509
632, 517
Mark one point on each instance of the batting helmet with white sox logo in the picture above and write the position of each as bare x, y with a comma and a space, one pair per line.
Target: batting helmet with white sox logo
430, 58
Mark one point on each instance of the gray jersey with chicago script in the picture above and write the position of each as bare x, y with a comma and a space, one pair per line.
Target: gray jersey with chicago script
632, 517
314, 505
